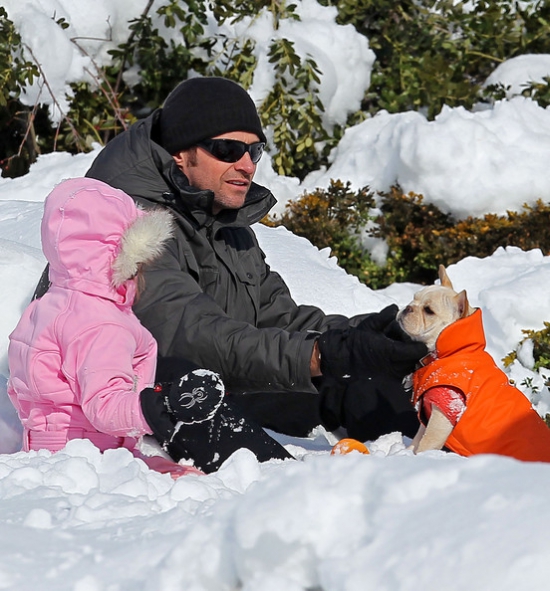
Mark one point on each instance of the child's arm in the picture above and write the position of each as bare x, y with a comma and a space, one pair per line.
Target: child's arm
110, 368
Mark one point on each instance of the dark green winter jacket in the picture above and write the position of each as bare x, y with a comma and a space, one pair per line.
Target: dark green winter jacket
212, 298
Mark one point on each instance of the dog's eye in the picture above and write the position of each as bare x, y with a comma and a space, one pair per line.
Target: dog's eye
428, 311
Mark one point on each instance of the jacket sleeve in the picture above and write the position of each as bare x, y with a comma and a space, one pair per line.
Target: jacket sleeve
278, 308
272, 355
106, 383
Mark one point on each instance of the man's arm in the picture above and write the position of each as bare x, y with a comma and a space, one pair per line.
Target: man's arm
188, 323
315, 363
43, 284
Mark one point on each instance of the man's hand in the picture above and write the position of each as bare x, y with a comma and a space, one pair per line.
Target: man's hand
367, 350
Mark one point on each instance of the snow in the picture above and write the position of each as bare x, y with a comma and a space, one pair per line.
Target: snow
78, 520
467, 163
516, 73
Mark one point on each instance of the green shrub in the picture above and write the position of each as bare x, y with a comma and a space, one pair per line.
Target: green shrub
333, 217
541, 347
435, 52
419, 236
18, 146
162, 65
101, 110
429, 53
294, 111
539, 91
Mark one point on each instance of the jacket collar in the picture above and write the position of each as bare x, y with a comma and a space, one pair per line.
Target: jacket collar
464, 336
197, 203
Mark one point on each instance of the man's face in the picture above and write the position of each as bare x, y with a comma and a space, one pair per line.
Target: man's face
229, 181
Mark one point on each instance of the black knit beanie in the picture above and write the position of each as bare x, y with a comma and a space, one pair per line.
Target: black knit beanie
201, 108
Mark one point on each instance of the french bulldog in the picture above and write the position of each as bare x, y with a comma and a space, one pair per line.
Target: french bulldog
433, 308
465, 401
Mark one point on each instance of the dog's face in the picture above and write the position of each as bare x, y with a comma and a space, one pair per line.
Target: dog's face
432, 309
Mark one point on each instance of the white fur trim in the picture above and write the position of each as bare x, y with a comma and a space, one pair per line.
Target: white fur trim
142, 242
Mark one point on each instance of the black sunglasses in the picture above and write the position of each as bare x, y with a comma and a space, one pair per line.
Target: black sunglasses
233, 150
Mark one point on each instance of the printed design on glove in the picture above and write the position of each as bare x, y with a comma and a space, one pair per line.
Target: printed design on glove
196, 396
189, 399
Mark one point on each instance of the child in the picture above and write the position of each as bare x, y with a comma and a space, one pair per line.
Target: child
82, 365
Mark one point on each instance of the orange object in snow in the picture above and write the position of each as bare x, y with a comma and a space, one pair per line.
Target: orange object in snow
345, 446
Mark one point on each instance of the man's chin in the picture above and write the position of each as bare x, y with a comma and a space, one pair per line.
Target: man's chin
228, 203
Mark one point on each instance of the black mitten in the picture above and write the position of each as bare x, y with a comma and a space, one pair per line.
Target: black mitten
190, 419
191, 399
366, 349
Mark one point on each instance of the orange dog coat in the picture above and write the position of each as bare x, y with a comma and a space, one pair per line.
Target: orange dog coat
498, 418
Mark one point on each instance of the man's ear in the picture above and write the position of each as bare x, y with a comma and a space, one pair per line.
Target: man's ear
464, 308
179, 157
186, 159
444, 278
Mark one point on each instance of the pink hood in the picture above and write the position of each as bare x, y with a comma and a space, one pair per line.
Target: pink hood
87, 240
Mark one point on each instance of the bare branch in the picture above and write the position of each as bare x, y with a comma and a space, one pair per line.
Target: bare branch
64, 117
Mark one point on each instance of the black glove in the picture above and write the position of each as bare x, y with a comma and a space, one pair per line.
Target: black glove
367, 350
191, 399
191, 419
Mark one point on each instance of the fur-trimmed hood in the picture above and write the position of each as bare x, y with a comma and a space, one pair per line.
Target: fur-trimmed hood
95, 238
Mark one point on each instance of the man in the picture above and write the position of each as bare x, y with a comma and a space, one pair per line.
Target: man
211, 297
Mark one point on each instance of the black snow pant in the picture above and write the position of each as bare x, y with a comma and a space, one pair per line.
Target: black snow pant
366, 408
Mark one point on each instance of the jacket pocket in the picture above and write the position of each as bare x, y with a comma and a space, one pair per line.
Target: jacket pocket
249, 284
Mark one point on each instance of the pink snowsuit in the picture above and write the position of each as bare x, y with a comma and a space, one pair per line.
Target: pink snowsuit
79, 357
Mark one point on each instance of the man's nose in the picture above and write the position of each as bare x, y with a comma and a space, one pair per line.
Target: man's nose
245, 164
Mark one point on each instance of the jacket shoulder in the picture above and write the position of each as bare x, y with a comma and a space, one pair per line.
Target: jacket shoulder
133, 162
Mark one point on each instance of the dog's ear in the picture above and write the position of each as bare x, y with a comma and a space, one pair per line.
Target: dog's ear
444, 278
464, 308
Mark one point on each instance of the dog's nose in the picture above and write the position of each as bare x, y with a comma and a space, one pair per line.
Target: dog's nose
406, 310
